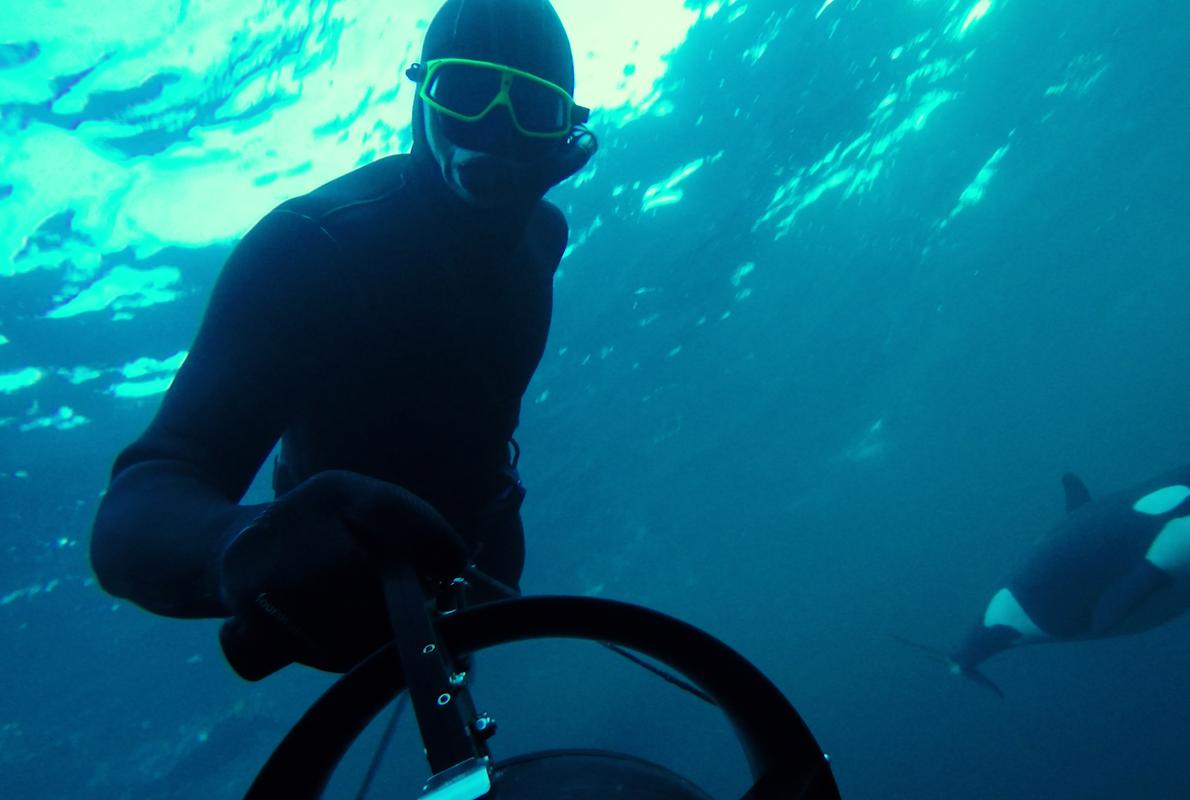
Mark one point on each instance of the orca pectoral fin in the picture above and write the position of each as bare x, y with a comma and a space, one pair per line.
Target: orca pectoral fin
1126, 595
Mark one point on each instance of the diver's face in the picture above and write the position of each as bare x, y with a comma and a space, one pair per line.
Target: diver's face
486, 163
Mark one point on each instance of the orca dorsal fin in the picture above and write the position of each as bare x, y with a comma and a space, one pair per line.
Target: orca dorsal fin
1076, 492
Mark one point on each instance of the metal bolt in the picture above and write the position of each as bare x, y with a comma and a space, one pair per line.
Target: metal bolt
429, 648
444, 698
484, 726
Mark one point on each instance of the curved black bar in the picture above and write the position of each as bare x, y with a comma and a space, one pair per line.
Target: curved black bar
302, 764
786, 760
773, 733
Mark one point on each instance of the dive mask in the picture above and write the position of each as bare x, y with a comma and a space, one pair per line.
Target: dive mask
468, 90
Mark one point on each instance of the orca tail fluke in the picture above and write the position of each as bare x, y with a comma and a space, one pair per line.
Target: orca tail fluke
983, 680
955, 668
933, 653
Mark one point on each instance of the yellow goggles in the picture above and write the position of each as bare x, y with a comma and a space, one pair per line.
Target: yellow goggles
468, 90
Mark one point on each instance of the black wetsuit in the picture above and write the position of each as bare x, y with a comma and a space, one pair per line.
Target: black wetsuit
376, 325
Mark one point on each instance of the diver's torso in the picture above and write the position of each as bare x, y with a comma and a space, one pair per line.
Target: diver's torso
446, 326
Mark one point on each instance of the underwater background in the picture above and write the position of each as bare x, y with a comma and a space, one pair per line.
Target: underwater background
851, 283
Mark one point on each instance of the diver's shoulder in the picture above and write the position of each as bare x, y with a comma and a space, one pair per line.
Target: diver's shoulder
550, 229
551, 216
373, 185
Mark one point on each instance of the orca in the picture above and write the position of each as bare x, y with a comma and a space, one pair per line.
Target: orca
1112, 566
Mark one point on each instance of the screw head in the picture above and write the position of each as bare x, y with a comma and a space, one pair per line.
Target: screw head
484, 726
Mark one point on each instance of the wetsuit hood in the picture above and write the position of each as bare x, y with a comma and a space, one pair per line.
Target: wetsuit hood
523, 34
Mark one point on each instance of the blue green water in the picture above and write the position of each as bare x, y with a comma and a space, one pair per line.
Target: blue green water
852, 283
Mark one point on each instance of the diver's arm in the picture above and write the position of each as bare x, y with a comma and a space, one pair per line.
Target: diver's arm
173, 501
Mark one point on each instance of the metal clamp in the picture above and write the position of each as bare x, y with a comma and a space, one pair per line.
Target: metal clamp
469, 780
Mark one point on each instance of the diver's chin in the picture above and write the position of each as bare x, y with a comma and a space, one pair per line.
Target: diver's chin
460, 190
486, 182
471, 192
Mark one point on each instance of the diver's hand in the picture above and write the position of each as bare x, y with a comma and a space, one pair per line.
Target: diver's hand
303, 581
571, 155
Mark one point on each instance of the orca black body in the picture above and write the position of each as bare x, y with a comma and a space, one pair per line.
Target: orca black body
1115, 565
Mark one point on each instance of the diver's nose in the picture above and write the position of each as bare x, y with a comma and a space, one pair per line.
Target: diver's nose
496, 133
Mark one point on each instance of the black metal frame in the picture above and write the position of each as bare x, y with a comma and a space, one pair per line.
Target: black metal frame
786, 761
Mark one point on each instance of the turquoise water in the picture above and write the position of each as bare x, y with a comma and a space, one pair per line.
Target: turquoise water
850, 285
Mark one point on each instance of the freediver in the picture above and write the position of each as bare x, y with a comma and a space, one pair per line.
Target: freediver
383, 328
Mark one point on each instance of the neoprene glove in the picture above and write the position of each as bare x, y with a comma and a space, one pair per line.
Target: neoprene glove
303, 581
571, 155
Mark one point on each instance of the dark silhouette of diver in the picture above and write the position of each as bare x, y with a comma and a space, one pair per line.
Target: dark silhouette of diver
384, 328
